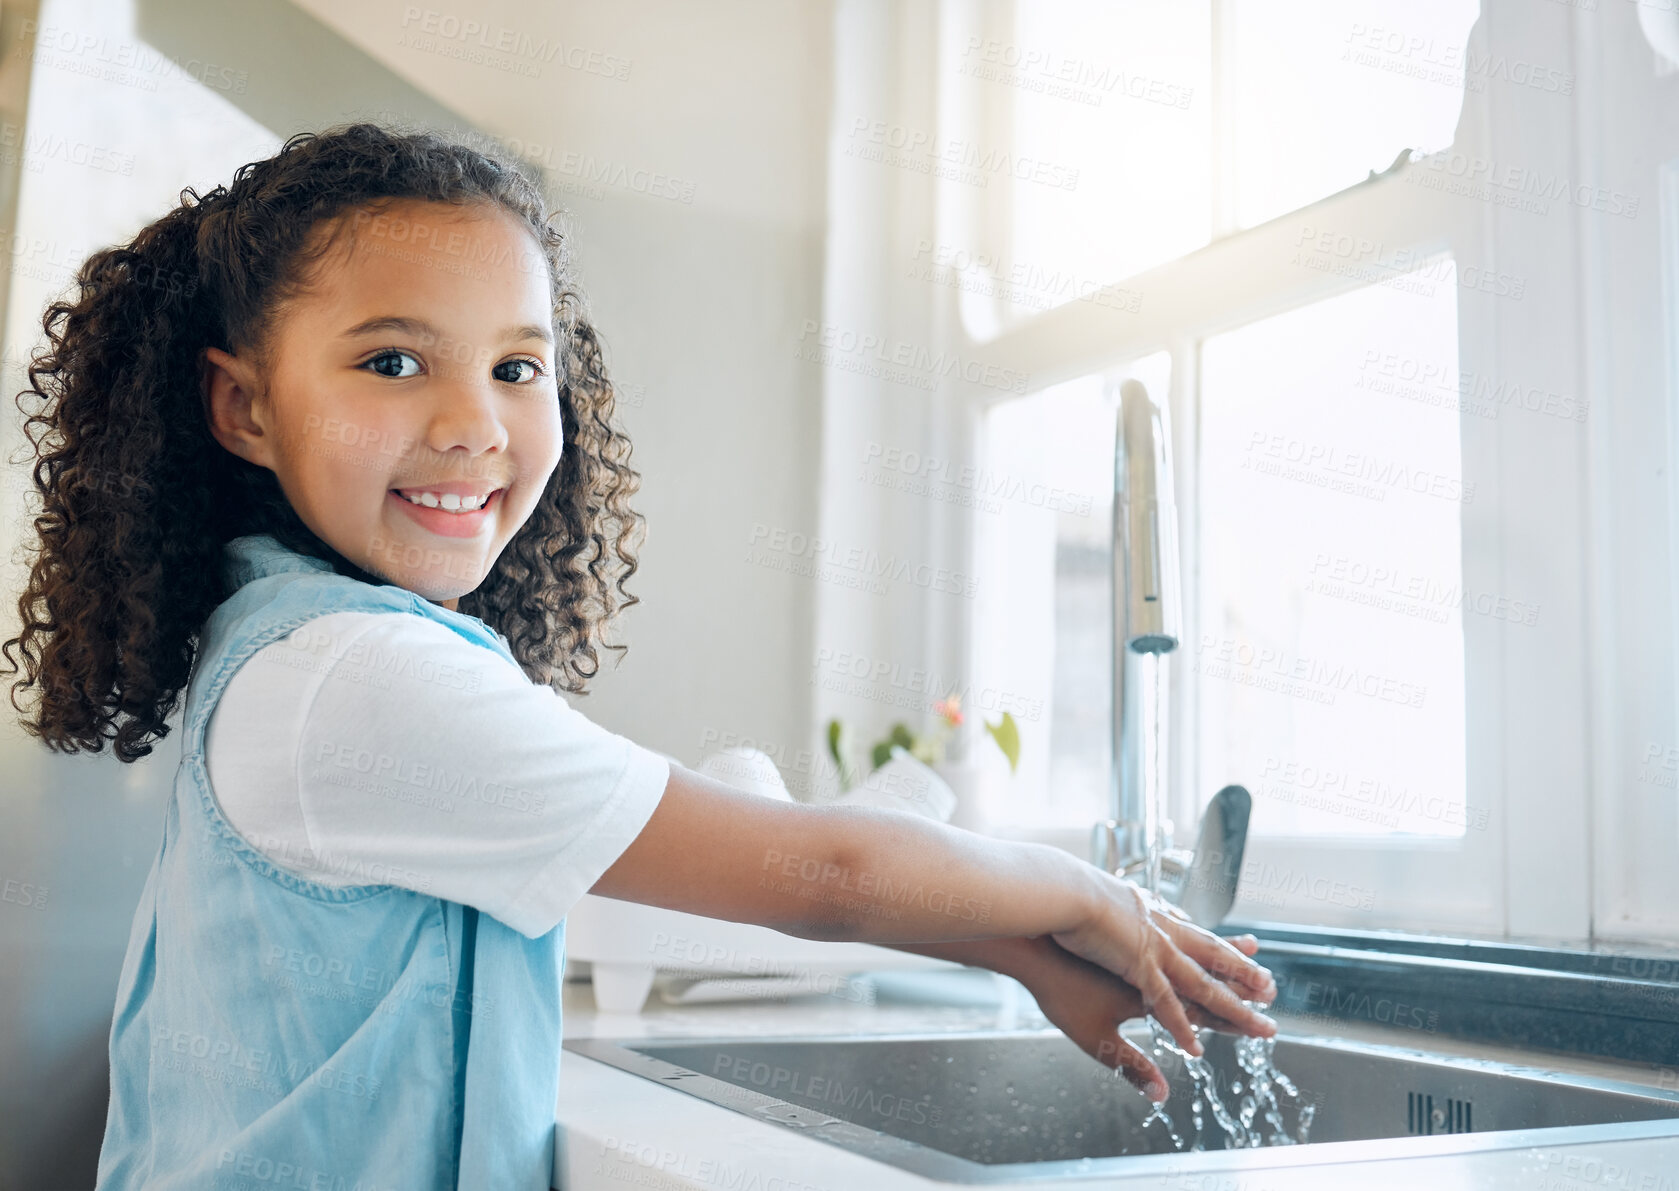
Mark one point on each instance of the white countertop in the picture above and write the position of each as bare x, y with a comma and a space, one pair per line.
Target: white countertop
620, 1130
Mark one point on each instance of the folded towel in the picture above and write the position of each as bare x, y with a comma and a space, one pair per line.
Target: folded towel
904, 784
746, 769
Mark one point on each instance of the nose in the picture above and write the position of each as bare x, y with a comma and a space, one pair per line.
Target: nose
466, 415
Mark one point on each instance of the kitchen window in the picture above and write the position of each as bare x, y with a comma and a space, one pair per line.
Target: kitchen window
1373, 370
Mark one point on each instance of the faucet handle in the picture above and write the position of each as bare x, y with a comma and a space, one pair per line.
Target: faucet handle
1208, 888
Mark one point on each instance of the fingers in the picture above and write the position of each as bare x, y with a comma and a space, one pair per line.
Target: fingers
1194, 982
1226, 958
1246, 944
1223, 959
1139, 1070
1162, 1001
1225, 999
1249, 981
1203, 1020
1168, 957
1211, 1021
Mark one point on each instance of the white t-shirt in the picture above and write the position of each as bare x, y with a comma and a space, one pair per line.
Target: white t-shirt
372, 748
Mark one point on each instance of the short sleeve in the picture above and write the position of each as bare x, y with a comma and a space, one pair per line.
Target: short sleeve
427, 761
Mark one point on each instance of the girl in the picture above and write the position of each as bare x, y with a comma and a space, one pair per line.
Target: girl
332, 449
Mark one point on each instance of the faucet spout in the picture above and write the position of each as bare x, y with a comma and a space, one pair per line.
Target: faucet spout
1147, 614
1146, 619
1146, 627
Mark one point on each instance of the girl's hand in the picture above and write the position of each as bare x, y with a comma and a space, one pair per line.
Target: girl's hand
1088, 1003
1153, 946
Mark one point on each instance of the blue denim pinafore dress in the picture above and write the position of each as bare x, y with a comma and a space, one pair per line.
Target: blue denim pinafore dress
276, 1033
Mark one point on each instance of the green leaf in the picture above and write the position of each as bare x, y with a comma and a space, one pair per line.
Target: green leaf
901, 735
838, 747
1007, 735
882, 753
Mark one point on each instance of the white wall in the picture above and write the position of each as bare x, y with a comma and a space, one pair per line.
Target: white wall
699, 303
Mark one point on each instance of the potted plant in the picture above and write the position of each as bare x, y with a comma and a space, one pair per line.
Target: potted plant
967, 779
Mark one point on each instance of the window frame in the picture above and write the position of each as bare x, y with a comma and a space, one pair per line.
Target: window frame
1528, 690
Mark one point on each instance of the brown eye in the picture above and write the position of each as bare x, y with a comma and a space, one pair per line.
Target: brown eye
535, 367
389, 363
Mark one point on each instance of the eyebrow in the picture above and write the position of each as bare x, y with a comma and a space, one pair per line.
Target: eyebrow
420, 328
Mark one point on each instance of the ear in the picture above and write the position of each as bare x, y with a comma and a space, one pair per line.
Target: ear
229, 391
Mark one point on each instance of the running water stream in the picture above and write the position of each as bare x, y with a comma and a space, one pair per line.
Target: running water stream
1256, 1119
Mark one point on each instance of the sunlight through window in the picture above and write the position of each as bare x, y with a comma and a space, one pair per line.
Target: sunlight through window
1329, 650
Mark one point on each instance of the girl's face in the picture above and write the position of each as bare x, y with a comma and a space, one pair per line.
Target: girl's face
411, 412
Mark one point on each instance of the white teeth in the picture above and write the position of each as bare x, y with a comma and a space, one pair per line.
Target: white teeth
449, 502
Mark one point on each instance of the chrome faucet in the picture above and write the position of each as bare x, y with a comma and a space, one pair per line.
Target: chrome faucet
1146, 629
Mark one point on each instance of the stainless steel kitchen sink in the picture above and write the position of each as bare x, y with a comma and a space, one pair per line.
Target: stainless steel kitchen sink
1004, 1107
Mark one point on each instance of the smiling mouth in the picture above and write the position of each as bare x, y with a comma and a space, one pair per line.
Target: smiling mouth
447, 502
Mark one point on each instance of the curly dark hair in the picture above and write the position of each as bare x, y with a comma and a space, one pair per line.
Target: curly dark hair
138, 499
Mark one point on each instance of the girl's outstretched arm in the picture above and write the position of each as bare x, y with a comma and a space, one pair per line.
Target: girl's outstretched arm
885, 877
